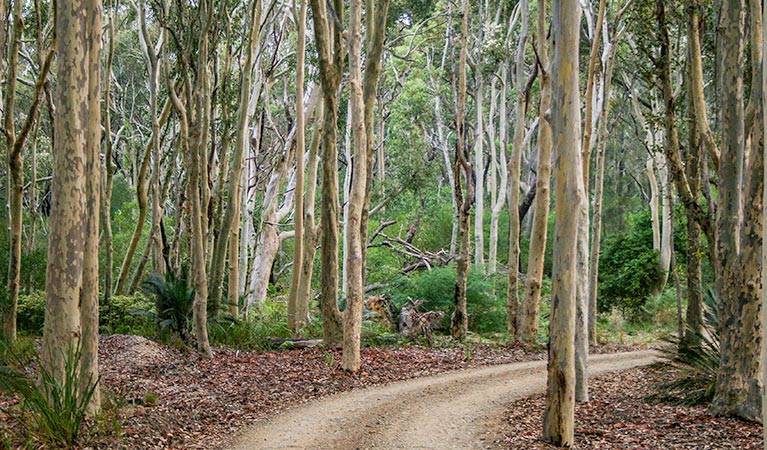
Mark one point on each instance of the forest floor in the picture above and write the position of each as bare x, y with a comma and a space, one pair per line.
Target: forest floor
618, 417
157, 397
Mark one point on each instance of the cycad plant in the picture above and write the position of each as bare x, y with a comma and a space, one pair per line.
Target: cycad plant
173, 299
696, 365
57, 406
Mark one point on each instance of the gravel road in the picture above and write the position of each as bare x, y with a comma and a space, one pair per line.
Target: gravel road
456, 410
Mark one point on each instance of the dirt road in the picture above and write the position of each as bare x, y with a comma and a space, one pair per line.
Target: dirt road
457, 410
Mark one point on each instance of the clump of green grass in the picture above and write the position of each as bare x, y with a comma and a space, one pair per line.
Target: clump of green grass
56, 407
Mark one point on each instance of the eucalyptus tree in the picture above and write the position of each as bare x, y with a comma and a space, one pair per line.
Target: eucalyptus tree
610, 46
739, 384
515, 162
14, 145
150, 51
194, 40
558, 423
699, 133
71, 314
528, 317
296, 318
328, 39
229, 231
462, 171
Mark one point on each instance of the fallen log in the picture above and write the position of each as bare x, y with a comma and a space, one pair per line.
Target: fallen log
296, 342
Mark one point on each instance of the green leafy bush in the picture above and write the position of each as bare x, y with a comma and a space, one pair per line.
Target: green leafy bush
30, 315
487, 312
124, 314
127, 315
628, 269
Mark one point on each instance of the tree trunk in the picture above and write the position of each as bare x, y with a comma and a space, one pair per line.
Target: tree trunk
295, 322
355, 283
230, 225
331, 58
64, 273
15, 144
15, 177
558, 426
528, 324
270, 238
515, 162
89, 293
583, 289
502, 167
143, 200
666, 224
311, 229
693, 328
764, 242
193, 118
479, 173
376, 13
739, 380
462, 173
109, 168
346, 198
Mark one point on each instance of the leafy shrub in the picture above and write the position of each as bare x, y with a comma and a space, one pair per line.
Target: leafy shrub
268, 320
173, 301
56, 406
124, 314
127, 315
628, 269
487, 313
31, 312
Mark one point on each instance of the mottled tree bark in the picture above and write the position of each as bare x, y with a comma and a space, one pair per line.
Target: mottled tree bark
558, 426
739, 380
72, 191
89, 293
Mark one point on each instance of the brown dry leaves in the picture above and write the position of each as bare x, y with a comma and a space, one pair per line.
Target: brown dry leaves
617, 417
200, 403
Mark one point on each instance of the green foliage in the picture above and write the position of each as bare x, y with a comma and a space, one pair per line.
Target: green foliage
487, 312
267, 321
56, 406
126, 315
31, 313
173, 300
629, 269
696, 366
19, 353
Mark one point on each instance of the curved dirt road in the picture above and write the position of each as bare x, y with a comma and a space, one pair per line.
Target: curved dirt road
448, 411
